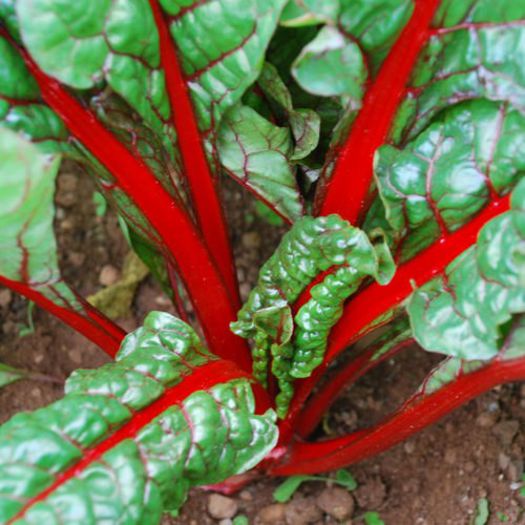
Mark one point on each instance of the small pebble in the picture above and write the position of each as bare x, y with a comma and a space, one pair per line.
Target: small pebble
246, 495
272, 514
409, 447
487, 419
251, 240
221, 507
75, 354
108, 275
371, 494
337, 502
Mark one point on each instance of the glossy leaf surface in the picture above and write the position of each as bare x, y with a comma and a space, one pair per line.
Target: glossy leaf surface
97, 455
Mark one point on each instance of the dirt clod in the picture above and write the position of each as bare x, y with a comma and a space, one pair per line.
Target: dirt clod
505, 431
221, 507
337, 502
371, 494
301, 511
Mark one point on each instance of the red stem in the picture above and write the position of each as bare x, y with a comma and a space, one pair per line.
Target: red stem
183, 245
197, 170
90, 322
323, 398
347, 190
374, 301
202, 378
416, 414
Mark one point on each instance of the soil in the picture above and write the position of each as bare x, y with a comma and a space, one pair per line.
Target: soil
435, 478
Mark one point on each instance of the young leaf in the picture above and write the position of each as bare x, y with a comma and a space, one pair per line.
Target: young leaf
129, 440
288, 488
482, 512
304, 123
310, 247
344, 478
372, 518
332, 66
255, 152
9, 375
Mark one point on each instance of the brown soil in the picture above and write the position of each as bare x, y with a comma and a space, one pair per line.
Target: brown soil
435, 478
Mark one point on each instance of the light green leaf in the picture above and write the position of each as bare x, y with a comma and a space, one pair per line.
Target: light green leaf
446, 175
332, 65
222, 45
9, 375
299, 13
256, 152
288, 488
375, 24
304, 123
83, 43
482, 512
463, 312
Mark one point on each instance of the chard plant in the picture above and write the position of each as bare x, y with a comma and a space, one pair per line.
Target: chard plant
388, 134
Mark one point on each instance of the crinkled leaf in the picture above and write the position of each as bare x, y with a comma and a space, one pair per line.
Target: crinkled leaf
299, 13
478, 54
255, 152
310, 247
451, 171
210, 435
462, 313
221, 44
332, 65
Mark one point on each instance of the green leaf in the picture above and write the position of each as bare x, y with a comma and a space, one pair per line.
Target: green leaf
375, 24
83, 44
463, 313
28, 251
305, 124
241, 520
267, 214
288, 488
298, 13
255, 152
210, 435
222, 45
344, 478
482, 512
332, 65
310, 247
21, 109
9, 375
449, 172
373, 518
478, 55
